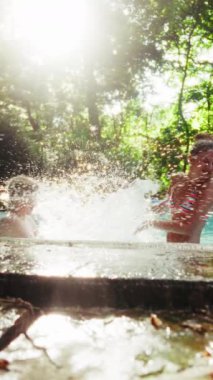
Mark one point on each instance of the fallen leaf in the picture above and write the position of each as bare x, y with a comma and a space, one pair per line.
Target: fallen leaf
4, 364
155, 321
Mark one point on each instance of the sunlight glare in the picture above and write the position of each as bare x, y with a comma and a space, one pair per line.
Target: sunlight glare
51, 28
161, 92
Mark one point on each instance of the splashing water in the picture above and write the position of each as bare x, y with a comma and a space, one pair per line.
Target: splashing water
89, 209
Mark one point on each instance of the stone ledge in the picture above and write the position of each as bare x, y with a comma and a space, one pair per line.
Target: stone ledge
107, 292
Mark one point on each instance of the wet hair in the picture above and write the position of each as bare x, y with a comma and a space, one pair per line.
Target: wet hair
21, 186
203, 136
203, 143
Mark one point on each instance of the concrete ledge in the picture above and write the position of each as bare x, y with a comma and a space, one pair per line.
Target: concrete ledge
104, 292
172, 247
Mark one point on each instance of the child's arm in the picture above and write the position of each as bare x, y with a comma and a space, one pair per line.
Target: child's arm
10, 227
161, 207
175, 226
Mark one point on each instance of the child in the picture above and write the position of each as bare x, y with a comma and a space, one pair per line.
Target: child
163, 206
191, 198
18, 223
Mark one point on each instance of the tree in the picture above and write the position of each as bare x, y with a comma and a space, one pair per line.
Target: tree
58, 105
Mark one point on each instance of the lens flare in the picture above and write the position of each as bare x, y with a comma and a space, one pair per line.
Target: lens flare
51, 28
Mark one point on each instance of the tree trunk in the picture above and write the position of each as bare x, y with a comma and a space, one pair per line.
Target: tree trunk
33, 122
208, 98
92, 106
182, 119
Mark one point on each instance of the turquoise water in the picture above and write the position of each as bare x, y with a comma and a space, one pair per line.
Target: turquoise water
207, 234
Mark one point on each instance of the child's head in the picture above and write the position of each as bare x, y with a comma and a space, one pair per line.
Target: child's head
201, 155
21, 190
203, 143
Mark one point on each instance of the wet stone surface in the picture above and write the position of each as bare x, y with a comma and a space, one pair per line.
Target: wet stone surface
100, 343
152, 261
107, 344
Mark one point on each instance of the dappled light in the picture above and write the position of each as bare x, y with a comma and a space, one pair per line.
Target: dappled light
106, 189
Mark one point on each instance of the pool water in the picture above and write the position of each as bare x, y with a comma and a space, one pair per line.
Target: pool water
78, 211
207, 234
2, 214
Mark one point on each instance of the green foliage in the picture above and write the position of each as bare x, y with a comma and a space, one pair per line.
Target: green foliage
53, 110
16, 156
